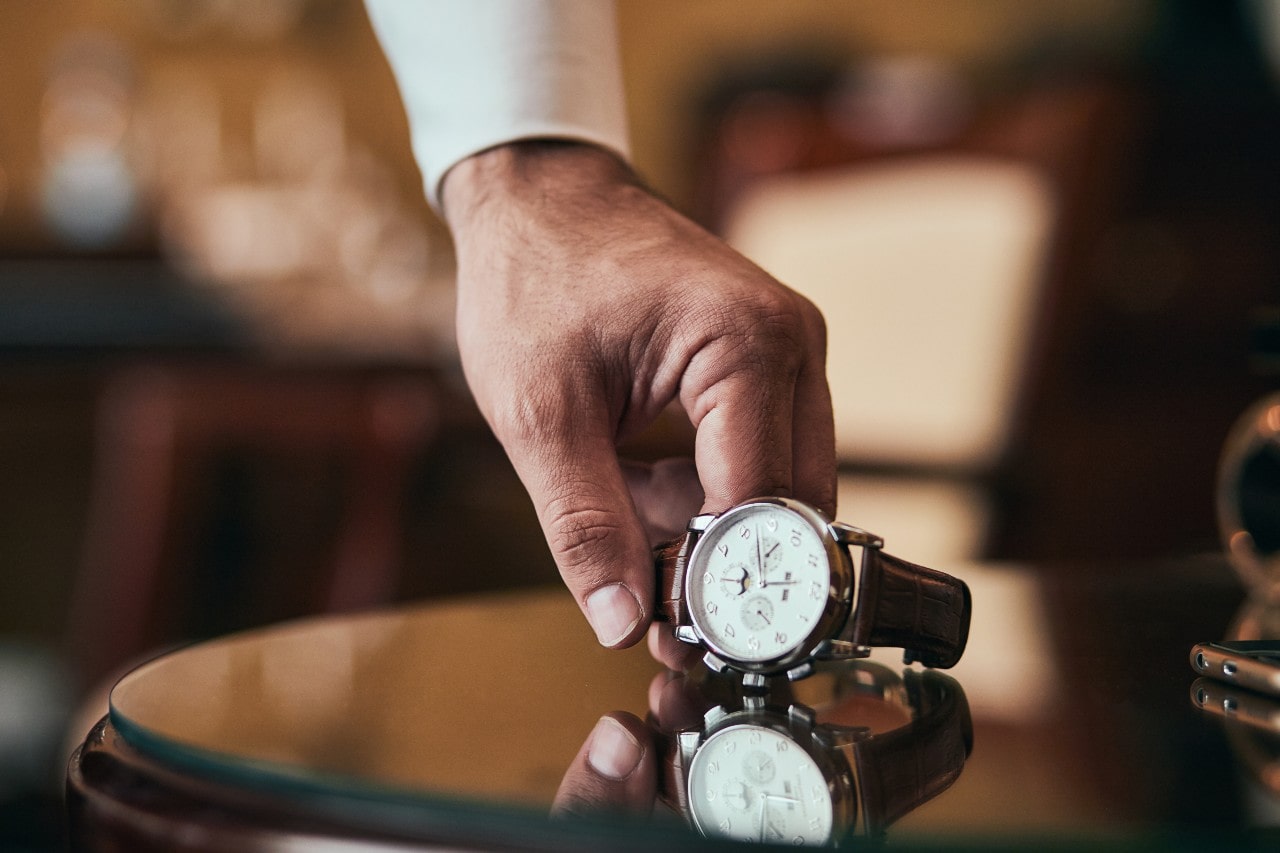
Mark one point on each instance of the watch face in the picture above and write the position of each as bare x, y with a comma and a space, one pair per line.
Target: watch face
753, 783
758, 583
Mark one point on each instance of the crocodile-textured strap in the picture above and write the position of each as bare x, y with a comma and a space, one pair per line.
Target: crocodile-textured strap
900, 604
900, 770
669, 561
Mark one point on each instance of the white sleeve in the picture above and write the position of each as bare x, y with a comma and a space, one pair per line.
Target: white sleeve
477, 73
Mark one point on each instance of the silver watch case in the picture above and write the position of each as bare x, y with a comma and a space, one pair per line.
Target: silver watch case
827, 746
821, 642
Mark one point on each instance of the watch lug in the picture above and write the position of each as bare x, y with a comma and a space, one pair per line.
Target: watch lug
686, 634
714, 663
840, 650
847, 534
699, 523
802, 714
688, 742
754, 681
713, 716
804, 670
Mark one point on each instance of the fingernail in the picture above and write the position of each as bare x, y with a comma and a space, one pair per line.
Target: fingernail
614, 613
614, 752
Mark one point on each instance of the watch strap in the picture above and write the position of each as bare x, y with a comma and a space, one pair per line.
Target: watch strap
669, 561
900, 770
899, 604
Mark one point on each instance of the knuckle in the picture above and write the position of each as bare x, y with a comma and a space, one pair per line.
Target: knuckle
580, 536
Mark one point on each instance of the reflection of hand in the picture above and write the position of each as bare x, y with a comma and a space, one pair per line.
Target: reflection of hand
585, 307
616, 770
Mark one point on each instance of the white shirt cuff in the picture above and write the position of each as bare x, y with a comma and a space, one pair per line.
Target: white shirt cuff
474, 74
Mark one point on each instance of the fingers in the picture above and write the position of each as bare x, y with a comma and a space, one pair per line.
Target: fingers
762, 408
666, 495
743, 446
813, 425
669, 651
615, 770
561, 443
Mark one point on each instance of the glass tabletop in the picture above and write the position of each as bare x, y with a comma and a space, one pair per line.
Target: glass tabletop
1071, 715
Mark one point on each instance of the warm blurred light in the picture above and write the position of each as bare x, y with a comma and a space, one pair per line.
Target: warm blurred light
902, 102
88, 190
298, 126
247, 20
179, 131
1272, 419
930, 268
89, 196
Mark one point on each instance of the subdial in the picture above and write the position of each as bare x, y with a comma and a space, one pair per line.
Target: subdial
759, 767
757, 613
735, 796
734, 579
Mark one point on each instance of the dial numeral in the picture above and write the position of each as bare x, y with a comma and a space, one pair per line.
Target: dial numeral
816, 591
780, 637
753, 644
744, 532
707, 579
713, 608
723, 548
796, 538
728, 630
783, 746
712, 767
771, 523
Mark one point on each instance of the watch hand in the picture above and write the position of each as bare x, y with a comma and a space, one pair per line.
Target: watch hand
781, 798
764, 799
760, 581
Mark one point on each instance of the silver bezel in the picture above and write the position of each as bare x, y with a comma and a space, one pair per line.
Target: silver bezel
840, 587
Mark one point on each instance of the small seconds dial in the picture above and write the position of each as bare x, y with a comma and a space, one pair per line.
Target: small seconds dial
758, 582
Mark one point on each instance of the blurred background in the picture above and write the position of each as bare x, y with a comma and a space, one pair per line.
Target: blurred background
1044, 236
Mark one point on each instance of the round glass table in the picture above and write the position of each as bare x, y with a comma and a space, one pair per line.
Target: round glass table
472, 723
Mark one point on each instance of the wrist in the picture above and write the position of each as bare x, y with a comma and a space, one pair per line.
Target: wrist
537, 172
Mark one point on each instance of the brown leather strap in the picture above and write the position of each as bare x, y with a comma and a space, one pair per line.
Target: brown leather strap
669, 561
920, 610
900, 770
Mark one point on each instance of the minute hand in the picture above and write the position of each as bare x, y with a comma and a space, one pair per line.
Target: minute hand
760, 579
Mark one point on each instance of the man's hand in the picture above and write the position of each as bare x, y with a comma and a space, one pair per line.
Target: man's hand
586, 306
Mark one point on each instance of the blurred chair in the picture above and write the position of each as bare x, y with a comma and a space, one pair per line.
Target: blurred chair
927, 270
161, 431
938, 237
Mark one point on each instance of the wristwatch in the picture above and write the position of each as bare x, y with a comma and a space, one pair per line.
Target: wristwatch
765, 771
771, 586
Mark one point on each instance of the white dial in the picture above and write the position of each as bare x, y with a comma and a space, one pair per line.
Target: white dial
758, 583
752, 783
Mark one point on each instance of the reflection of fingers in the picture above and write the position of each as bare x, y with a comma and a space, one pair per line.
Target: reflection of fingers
616, 770
677, 701
669, 651
666, 495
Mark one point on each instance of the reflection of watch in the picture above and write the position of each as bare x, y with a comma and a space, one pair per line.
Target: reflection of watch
770, 586
766, 772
